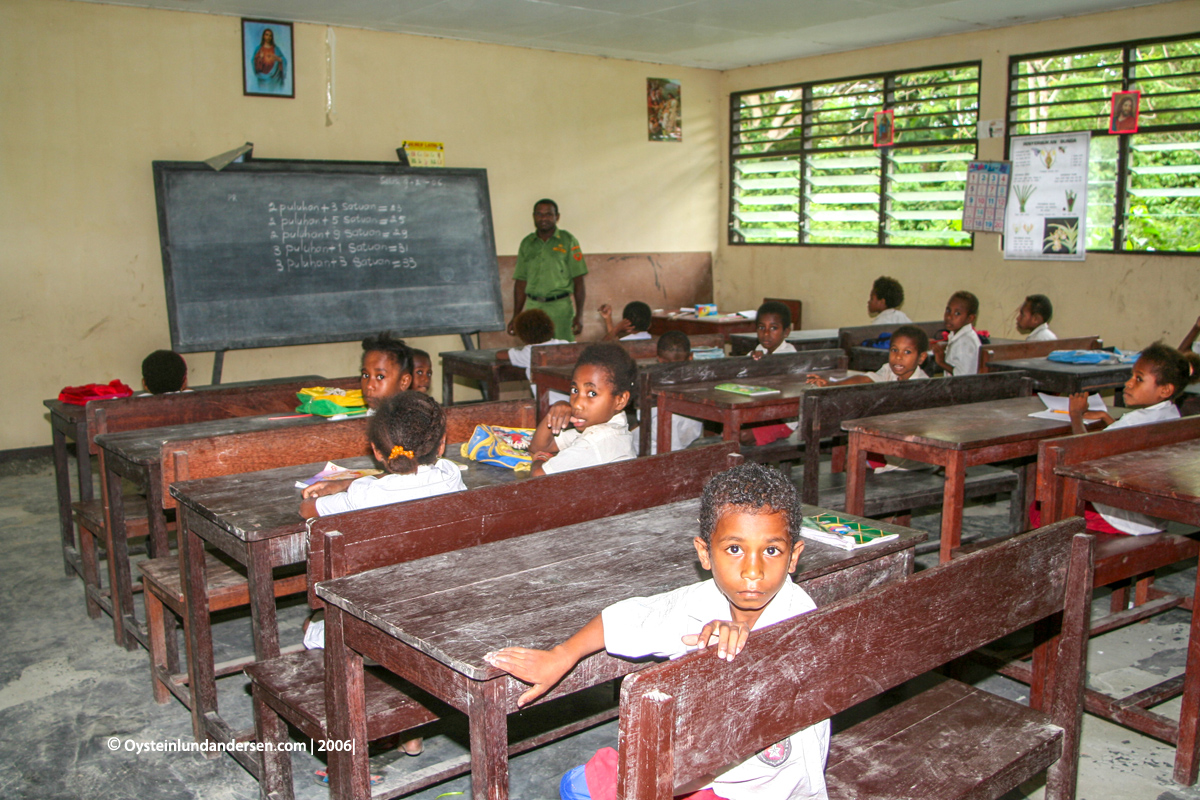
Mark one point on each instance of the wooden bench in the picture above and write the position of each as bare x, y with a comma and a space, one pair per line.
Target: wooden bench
656, 376
951, 741
555, 354
851, 338
824, 409
252, 452
292, 687
1013, 350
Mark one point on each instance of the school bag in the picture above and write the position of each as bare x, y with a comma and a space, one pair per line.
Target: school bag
500, 446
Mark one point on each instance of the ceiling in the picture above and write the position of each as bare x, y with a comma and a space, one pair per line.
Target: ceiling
715, 34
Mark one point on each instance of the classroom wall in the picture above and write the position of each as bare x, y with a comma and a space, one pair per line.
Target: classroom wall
91, 94
1130, 300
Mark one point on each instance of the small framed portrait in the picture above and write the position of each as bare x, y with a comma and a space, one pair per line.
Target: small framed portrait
268, 59
1123, 116
884, 128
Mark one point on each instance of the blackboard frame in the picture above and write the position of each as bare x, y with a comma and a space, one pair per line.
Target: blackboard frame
491, 316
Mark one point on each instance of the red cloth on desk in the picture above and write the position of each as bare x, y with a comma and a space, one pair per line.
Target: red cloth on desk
765, 434
80, 395
1094, 522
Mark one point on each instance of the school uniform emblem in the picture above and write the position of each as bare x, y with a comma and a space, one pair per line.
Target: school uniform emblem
777, 754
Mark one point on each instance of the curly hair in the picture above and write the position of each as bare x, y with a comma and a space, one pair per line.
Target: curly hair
534, 326
638, 314
616, 362
971, 301
749, 489
546, 201
778, 309
409, 421
164, 371
889, 291
384, 342
1040, 304
918, 337
675, 345
1170, 366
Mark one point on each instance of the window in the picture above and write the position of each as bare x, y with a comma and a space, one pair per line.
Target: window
804, 169
1143, 188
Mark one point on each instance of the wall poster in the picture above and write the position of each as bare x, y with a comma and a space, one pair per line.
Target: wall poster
1046, 217
987, 191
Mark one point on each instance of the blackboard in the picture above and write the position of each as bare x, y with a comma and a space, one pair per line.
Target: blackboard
272, 253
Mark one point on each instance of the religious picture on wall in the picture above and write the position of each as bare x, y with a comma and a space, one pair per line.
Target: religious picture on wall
267, 58
1123, 118
663, 109
885, 128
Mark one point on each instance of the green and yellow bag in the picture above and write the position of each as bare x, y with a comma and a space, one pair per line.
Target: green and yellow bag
500, 446
326, 402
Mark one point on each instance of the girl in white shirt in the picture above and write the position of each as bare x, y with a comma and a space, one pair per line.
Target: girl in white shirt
1158, 380
909, 346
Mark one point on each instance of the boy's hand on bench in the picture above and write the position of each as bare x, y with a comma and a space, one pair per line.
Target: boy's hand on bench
729, 637
816, 380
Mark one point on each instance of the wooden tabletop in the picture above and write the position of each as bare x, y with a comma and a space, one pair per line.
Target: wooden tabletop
1093, 375
968, 426
537, 590
144, 446
790, 388
484, 358
1171, 472
254, 506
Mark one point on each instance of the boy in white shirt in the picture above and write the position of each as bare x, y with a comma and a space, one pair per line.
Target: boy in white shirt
959, 355
774, 325
749, 539
634, 324
909, 346
1033, 318
887, 295
674, 347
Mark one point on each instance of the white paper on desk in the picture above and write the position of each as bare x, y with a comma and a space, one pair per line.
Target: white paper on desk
751, 314
1059, 407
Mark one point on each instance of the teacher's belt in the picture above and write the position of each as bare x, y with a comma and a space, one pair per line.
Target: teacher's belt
550, 298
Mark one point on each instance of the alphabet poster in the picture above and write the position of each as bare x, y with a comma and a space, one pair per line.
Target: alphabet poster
987, 191
1047, 204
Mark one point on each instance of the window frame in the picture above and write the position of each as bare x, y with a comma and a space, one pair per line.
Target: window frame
803, 151
1128, 82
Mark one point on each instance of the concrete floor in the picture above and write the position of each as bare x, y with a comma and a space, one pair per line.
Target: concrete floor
67, 693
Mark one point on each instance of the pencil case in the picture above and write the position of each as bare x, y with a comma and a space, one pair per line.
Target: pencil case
500, 446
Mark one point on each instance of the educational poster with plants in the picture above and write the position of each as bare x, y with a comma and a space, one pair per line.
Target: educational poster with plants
1047, 201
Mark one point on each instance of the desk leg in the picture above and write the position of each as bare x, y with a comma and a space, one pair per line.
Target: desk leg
447, 387
262, 601
856, 475
345, 699
116, 542
62, 480
489, 740
490, 388
1187, 747
952, 504
83, 461
202, 679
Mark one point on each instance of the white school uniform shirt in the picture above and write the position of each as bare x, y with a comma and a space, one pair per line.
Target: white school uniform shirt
684, 431
962, 350
636, 336
784, 347
654, 626
1131, 522
521, 356
891, 316
599, 444
430, 480
885, 375
1041, 333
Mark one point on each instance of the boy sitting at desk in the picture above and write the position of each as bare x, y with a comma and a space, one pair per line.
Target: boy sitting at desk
1033, 318
750, 541
634, 323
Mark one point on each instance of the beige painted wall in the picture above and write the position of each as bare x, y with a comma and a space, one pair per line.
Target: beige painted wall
1129, 300
91, 94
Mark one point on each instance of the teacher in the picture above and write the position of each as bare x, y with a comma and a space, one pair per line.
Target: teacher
549, 273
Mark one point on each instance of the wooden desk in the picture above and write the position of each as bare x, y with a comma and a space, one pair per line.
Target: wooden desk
954, 437
480, 365
557, 378
732, 410
254, 518
69, 422
1054, 377
136, 456
1162, 482
816, 339
533, 591
724, 324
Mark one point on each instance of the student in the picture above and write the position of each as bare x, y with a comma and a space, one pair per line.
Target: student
1158, 380
750, 541
591, 429
532, 326
673, 347
163, 372
387, 368
774, 326
1033, 318
634, 324
887, 295
422, 375
908, 351
1190, 341
959, 355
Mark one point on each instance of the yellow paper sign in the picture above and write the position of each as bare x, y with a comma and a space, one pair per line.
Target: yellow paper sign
425, 154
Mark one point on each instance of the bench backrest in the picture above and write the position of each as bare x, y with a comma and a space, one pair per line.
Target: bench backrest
183, 408
192, 459
1091, 446
379, 537
855, 335
739, 368
811, 667
824, 410
557, 354
1014, 350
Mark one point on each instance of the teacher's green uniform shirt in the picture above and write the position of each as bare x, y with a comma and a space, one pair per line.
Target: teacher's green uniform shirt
550, 268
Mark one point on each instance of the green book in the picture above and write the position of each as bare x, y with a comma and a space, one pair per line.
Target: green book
746, 389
